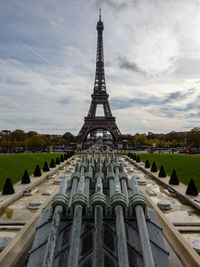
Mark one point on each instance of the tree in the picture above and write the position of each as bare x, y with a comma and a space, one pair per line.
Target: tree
45, 168
18, 135
8, 187
62, 141
174, 179
57, 161
52, 164
61, 158
134, 156
25, 178
192, 189
147, 165
68, 137
37, 171
162, 172
153, 167
65, 156
35, 142
193, 137
140, 139
138, 158
31, 134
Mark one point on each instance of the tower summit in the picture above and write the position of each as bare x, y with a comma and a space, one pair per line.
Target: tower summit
99, 96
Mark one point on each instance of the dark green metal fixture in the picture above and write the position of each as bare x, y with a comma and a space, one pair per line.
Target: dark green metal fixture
99, 218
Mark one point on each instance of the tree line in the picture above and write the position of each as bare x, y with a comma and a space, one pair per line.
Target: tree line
168, 140
20, 140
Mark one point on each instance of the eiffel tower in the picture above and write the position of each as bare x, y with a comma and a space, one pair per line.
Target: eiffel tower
92, 122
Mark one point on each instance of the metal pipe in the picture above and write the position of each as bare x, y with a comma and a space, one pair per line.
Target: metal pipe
142, 227
98, 237
73, 190
121, 237
124, 190
111, 181
120, 226
75, 237
124, 184
51, 244
76, 227
98, 227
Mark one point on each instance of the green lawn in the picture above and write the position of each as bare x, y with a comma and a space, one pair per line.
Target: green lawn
13, 165
187, 166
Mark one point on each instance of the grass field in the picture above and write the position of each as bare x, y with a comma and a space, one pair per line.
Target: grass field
13, 165
187, 166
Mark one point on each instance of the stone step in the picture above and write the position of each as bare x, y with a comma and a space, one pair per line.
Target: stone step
11, 227
194, 229
12, 223
186, 223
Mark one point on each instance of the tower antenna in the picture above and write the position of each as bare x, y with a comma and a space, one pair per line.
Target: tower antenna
99, 14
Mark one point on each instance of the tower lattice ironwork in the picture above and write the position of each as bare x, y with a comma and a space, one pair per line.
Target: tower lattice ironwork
99, 96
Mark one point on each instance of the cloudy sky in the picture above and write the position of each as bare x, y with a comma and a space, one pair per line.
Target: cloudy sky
47, 63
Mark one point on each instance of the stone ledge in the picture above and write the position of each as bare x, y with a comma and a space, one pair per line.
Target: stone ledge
13, 251
11, 198
183, 250
162, 181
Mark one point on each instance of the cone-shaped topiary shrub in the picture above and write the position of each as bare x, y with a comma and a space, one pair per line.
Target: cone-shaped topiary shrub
61, 158
37, 171
8, 187
52, 164
134, 157
191, 189
57, 161
26, 178
138, 158
153, 167
46, 167
147, 165
65, 156
162, 172
174, 179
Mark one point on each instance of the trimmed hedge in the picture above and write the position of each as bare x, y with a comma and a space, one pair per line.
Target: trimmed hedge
162, 172
174, 179
191, 189
61, 158
138, 158
147, 165
25, 178
52, 164
153, 167
8, 188
46, 167
37, 171
57, 161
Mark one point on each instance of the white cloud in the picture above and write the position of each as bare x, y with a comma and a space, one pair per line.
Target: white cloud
47, 62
